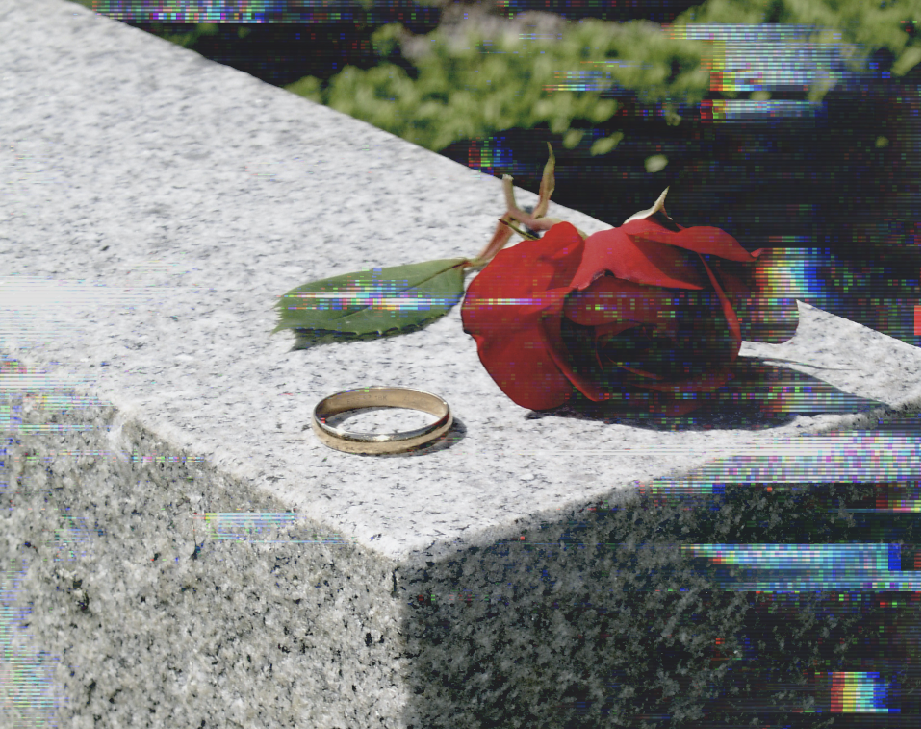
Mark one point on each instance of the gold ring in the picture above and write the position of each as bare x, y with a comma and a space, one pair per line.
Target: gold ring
380, 397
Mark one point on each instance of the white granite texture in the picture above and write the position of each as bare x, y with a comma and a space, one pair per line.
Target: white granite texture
154, 206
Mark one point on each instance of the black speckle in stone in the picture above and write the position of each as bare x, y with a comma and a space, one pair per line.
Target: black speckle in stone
368, 639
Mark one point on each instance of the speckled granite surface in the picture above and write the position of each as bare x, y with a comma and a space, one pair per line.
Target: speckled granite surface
188, 554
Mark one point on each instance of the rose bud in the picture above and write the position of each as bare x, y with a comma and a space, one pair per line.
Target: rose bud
649, 316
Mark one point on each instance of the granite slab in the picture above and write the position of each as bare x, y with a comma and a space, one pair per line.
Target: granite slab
182, 551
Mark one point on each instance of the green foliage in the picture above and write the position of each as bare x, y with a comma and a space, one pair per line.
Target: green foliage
367, 304
386, 40
868, 25
308, 87
480, 86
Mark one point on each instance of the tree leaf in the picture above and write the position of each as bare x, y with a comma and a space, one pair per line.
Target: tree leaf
371, 303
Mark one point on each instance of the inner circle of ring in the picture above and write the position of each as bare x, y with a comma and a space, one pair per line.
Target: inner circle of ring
374, 397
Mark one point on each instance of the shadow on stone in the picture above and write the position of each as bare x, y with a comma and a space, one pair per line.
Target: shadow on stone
602, 616
761, 397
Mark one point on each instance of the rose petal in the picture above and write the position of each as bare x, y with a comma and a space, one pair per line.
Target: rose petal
610, 299
700, 239
642, 261
730, 315
613, 329
522, 366
532, 266
497, 317
715, 242
505, 306
514, 289
735, 278
642, 373
592, 387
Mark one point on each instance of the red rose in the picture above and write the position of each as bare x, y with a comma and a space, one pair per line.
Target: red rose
649, 314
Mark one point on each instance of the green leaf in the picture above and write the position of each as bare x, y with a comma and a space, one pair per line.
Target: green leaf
910, 58
372, 303
606, 144
309, 87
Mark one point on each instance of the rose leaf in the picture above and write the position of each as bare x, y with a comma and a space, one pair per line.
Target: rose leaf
372, 303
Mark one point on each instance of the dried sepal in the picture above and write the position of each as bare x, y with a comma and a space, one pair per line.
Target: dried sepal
546, 186
657, 207
499, 239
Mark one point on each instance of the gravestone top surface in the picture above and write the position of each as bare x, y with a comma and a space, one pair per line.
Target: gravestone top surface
148, 234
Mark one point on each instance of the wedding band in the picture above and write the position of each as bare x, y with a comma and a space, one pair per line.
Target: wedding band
380, 397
